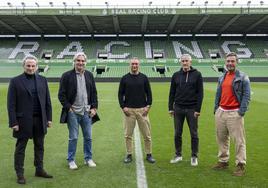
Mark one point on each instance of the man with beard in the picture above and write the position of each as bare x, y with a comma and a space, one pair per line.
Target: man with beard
231, 103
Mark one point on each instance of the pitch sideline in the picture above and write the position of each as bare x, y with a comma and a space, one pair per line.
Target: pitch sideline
140, 169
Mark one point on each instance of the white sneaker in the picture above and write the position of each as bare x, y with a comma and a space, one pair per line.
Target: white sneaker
194, 161
90, 163
72, 165
176, 159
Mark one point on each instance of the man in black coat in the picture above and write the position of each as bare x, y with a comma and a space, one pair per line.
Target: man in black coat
185, 101
78, 96
30, 113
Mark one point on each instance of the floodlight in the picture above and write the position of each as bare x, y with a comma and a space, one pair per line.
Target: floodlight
107, 4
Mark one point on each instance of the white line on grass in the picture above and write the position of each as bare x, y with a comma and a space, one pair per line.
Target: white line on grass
140, 169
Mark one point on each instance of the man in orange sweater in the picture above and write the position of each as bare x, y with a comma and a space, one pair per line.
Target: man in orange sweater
231, 103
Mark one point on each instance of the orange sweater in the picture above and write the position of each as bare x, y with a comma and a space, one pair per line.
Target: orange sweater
228, 99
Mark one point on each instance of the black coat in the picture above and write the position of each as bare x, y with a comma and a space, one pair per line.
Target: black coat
20, 105
68, 91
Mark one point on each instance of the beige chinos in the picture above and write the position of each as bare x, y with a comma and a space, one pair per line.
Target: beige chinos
230, 124
144, 126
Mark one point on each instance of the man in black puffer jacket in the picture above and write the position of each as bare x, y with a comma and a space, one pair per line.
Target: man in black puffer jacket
185, 100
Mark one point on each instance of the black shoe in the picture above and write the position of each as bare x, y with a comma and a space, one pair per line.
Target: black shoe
42, 174
128, 159
150, 158
21, 180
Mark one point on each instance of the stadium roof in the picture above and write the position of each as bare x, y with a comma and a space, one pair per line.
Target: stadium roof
57, 3
146, 19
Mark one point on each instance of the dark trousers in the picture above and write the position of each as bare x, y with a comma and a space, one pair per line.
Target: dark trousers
179, 117
38, 140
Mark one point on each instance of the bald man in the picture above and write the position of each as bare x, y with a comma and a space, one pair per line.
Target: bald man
135, 99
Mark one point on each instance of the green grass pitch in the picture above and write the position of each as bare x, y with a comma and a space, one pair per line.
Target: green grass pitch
109, 149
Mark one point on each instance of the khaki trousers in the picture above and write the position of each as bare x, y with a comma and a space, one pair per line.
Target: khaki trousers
230, 124
144, 126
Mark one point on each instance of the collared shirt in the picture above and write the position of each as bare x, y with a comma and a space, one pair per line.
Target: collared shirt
81, 100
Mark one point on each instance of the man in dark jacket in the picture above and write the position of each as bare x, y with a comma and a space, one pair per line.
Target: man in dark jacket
185, 100
231, 103
78, 96
30, 113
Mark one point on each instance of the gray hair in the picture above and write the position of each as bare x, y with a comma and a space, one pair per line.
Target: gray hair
80, 54
134, 58
30, 57
187, 56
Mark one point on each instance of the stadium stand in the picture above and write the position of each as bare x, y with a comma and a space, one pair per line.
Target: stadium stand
125, 49
158, 36
251, 52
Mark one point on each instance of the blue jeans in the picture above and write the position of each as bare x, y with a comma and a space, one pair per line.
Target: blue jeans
73, 125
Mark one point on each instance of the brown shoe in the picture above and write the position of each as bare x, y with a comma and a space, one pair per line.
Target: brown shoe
240, 170
43, 174
220, 166
21, 180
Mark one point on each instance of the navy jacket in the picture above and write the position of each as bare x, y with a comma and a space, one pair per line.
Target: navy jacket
20, 105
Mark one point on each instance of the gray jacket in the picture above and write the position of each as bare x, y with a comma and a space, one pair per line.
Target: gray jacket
241, 89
